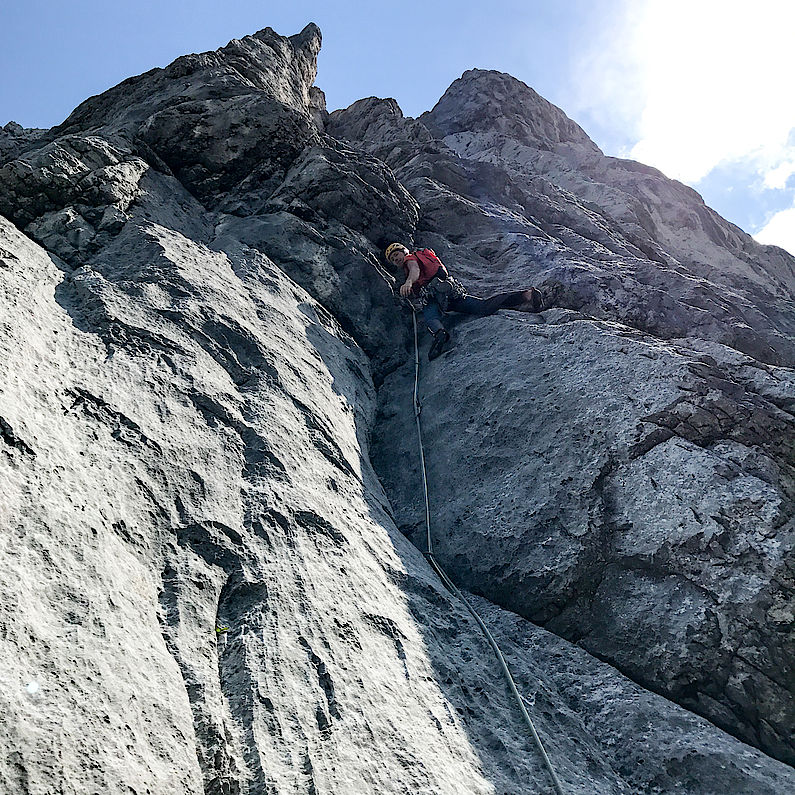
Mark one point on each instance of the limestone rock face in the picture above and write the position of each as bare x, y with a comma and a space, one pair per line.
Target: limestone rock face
548, 442
631, 495
236, 128
14, 138
485, 102
693, 249
205, 379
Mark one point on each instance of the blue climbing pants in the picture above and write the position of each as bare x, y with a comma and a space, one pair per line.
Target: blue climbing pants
469, 305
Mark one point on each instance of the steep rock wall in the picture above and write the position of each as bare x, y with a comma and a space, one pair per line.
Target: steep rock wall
189, 362
616, 479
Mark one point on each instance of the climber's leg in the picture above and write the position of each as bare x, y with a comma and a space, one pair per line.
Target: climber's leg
432, 313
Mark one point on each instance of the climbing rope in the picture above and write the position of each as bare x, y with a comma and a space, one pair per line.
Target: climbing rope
450, 585
417, 412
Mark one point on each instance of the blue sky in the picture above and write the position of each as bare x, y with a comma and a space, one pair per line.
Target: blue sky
702, 89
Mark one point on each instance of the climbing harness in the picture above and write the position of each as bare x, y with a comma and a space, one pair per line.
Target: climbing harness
442, 291
450, 585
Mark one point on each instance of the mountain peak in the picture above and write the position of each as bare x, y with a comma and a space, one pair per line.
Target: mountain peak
280, 66
310, 38
489, 101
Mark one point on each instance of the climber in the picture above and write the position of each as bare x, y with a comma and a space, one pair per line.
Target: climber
429, 285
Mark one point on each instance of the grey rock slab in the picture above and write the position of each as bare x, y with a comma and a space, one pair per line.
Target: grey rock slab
211, 119
558, 491
650, 744
225, 476
482, 100
338, 269
14, 138
185, 453
498, 188
531, 136
278, 66
92, 698
208, 590
89, 171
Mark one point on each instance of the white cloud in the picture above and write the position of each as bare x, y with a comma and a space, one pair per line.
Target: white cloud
700, 83
719, 79
605, 84
779, 230
776, 178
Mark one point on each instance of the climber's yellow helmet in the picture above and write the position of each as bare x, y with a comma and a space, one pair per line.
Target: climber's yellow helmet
394, 247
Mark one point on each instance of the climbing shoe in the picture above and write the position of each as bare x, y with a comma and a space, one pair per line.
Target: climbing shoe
440, 339
532, 301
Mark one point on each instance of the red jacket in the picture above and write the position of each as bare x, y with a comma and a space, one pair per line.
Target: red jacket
429, 264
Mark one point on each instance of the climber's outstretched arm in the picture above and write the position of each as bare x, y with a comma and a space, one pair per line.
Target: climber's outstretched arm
413, 275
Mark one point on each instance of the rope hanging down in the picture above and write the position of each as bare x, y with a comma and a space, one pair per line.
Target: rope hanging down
448, 583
